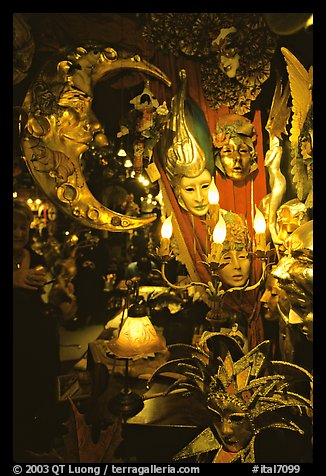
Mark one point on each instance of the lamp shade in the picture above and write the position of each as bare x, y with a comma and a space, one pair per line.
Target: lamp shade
137, 336
122, 152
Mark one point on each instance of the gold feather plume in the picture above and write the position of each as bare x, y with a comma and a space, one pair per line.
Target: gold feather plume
301, 81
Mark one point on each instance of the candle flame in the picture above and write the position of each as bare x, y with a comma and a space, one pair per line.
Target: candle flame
259, 222
213, 195
166, 230
219, 233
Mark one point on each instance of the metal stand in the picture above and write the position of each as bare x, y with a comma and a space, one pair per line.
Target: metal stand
127, 403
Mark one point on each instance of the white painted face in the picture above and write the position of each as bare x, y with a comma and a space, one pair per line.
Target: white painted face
228, 57
192, 193
234, 268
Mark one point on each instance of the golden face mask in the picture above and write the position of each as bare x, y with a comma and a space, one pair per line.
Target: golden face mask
231, 420
234, 145
290, 216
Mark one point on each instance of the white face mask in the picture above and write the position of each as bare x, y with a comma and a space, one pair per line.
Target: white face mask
234, 268
229, 66
228, 58
193, 193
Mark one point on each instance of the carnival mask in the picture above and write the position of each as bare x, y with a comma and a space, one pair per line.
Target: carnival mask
290, 216
186, 151
234, 265
231, 421
234, 268
272, 298
61, 125
228, 56
234, 142
192, 193
244, 394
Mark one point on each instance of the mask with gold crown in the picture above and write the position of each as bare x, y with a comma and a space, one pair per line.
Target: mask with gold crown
234, 265
237, 234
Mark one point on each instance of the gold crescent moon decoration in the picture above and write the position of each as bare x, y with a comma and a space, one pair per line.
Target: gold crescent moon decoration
60, 125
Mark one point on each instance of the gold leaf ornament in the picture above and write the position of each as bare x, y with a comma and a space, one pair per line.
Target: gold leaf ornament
301, 81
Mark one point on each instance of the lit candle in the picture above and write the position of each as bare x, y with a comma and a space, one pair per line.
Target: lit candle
260, 229
213, 199
166, 233
219, 235
213, 195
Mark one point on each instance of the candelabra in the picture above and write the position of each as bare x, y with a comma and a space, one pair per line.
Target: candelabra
214, 287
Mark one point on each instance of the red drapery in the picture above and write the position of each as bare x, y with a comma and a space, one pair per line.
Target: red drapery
239, 197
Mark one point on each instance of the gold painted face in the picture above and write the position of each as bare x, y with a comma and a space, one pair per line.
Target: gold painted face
272, 297
71, 132
290, 216
192, 193
231, 422
229, 65
236, 159
234, 268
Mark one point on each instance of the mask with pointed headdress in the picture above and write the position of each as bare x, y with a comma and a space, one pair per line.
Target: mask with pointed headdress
186, 150
243, 393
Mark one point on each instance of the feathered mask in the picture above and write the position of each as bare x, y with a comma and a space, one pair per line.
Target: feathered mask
218, 370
